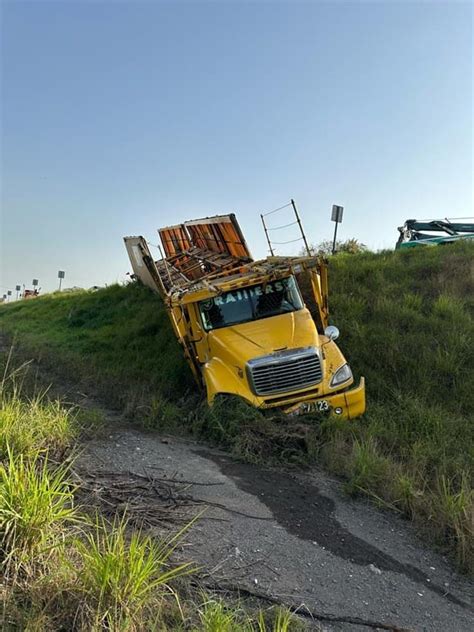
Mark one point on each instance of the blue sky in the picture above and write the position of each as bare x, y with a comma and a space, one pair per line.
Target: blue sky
120, 117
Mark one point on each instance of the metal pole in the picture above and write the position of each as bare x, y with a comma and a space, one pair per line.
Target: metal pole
166, 267
60, 281
301, 228
334, 241
266, 235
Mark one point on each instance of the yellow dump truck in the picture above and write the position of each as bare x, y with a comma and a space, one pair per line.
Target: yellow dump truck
244, 326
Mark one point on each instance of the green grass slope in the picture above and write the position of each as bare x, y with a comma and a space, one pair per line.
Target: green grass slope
407, 324
117, 340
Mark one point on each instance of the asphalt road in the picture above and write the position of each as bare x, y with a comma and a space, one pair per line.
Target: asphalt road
297, 537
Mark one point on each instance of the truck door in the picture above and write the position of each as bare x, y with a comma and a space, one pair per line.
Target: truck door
199, 335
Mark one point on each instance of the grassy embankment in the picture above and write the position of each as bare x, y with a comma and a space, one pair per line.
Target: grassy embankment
407, 324
61, 569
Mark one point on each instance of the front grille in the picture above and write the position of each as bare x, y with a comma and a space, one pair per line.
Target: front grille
285, 371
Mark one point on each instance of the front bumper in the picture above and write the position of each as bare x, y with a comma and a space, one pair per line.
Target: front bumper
348, 404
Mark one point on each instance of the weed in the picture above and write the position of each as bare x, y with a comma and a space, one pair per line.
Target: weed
216, 616
369, 468
122, 576
164, 414
29, 424
454, 516
35, 424
282, 621
36, 504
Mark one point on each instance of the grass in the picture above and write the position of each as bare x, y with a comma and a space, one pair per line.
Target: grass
117, 340
31, 421
34, 425
123, 577
407, 324
35, 504
216, 616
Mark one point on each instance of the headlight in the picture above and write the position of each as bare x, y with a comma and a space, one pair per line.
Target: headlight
341, 375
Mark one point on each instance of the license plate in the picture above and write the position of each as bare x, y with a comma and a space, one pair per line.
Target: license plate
321, 406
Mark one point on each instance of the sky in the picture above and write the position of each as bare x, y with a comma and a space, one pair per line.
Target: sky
121, 117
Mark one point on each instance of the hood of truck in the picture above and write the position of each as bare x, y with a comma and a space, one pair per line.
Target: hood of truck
238, 344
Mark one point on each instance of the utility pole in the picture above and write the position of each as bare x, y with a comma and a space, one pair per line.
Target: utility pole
336, 217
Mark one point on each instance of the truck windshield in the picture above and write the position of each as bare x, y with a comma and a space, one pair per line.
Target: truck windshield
251, 303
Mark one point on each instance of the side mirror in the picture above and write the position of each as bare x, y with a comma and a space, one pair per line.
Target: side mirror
332, 332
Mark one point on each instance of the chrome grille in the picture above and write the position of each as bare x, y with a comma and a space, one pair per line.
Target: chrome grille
285, 371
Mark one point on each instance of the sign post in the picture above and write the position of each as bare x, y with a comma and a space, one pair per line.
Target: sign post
336, 217
18, 290
61, 275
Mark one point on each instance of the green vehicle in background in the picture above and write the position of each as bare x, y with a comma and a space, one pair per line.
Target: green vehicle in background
411, 234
